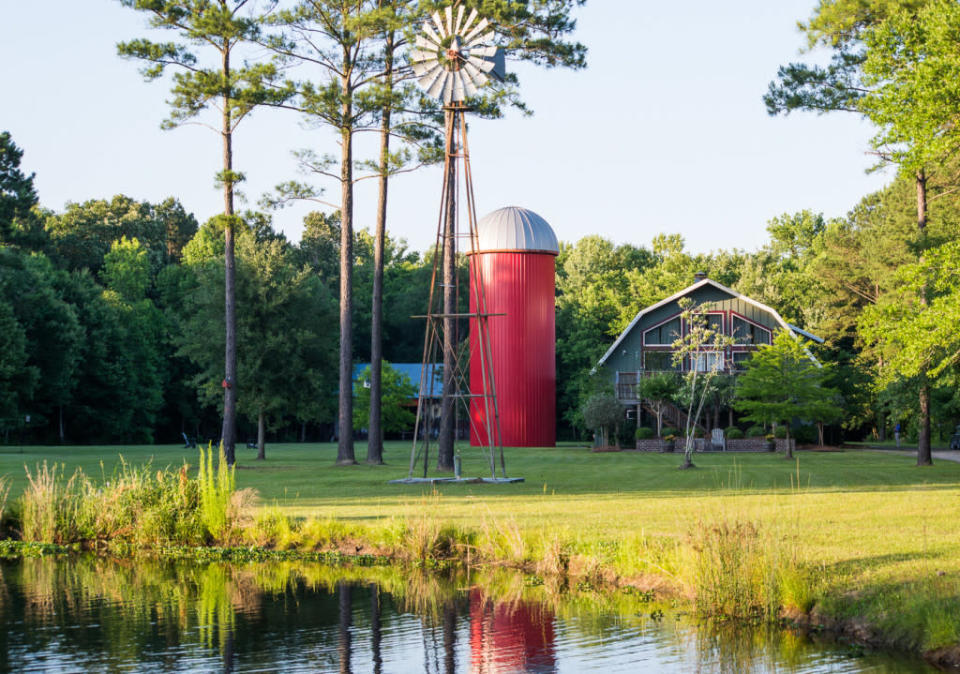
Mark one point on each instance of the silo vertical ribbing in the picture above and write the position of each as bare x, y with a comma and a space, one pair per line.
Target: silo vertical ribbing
519, 284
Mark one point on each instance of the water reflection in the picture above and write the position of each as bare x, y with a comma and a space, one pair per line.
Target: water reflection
92, 613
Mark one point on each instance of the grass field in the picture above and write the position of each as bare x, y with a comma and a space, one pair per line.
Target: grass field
881, 536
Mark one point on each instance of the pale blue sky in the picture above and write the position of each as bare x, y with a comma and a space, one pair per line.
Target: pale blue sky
665, 131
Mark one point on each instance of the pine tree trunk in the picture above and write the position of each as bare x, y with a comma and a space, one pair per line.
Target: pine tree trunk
445, 443
450, 636
61, 431
345, 455
261, 436
303, 431
376, 629
228, 435
345, 601
375, 436
924, 453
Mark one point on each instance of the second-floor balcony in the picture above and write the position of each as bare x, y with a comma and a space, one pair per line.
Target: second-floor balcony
628, 382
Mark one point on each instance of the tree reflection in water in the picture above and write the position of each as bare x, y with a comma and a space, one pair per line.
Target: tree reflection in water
103, 614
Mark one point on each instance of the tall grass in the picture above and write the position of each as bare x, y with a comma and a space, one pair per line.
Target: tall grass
217, 485
48, 505
738, 570
135, 505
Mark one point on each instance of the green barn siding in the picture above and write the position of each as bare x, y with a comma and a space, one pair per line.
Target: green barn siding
628, 356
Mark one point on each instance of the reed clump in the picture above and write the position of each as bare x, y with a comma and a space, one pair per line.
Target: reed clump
738, 570
136, 505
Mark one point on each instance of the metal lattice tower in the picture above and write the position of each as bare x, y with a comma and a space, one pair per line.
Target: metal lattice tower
454, 57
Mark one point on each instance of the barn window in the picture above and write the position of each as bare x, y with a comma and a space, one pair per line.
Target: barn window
745, 332
715, 323
664, 334
740, 359
658, 361
709, 361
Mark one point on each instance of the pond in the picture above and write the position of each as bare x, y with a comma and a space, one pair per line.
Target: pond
97, 614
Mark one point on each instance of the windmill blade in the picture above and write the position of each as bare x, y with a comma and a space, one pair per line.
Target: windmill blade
439, 84
422, 68
417, 56
448, 88
485, 38
438, 22
431, 34
466, 26
449, 12
456, 26
458, 88
485, 52
474, 75
469, 88
430, 78
482, 64
426, 44
476, 30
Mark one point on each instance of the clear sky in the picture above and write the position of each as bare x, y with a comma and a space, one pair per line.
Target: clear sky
665, 131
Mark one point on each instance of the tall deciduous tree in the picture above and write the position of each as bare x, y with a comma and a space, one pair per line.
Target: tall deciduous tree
867, 51
214, 28
398, 393
283, 320
782, 382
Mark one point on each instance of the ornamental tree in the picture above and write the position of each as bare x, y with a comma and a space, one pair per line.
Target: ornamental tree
783, 382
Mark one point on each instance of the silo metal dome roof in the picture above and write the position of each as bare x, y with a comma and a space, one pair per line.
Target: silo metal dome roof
516, 229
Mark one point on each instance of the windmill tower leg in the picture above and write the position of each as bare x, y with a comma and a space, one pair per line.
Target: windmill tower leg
447, 439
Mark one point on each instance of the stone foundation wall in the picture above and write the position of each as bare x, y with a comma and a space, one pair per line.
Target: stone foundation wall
742, 445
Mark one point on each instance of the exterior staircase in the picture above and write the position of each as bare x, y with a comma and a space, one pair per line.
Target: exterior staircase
672, 416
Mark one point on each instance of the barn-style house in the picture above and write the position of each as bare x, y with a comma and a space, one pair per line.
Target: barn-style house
646, 346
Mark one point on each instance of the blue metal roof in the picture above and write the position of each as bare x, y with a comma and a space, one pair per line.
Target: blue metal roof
411, 370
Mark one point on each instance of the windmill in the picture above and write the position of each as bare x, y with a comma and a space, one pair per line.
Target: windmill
453, 58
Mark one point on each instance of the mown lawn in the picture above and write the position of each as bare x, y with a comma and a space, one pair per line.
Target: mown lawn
876, 508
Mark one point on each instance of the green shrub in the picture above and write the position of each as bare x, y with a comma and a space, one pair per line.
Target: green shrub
780, 432
733, 433
806, 434
668, 430
756, 432
644, 433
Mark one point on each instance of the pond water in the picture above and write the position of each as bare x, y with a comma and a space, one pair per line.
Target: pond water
95, 614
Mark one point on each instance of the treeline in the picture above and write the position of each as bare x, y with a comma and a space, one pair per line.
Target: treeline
112, 323
112, 311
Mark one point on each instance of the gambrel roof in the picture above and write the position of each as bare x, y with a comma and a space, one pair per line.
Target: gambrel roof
689, 289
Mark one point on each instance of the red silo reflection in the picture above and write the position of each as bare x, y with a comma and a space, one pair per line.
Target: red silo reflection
515, 637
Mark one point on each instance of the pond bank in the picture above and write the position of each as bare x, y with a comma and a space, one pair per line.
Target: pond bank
583, 578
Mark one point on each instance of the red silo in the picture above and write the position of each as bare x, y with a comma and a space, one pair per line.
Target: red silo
516, 257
